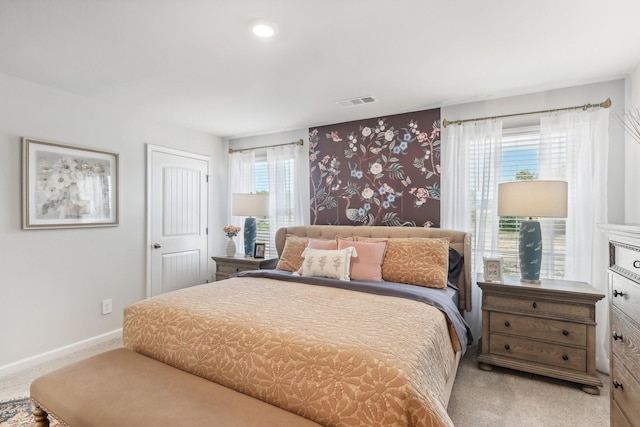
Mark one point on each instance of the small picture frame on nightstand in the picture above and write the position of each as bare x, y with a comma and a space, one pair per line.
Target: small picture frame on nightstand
492, 269
258, 250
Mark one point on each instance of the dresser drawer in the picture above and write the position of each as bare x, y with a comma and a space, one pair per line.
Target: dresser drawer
625, 295
627, 260
539, 352
558, 331
617, 418
625, 341
627, 394
540, 307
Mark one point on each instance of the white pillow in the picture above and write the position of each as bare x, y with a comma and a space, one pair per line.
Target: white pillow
334, 264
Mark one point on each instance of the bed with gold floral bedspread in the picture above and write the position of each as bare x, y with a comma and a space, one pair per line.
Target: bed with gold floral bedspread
332, 351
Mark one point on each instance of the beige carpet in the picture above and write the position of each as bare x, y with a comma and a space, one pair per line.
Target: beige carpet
499, 398
510, 398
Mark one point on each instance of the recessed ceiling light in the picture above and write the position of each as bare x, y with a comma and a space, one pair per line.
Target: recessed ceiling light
264, 29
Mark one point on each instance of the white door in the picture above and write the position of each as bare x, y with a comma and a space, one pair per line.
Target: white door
177, 215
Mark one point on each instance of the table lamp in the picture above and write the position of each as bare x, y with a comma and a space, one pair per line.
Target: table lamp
249, 205
532, 199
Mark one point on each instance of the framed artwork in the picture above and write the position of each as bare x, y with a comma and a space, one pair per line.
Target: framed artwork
66, 187
258, 250
492, 269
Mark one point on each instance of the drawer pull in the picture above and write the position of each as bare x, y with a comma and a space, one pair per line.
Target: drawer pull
507, 347
616, 336
507, 324
636, 263
535, 305
617, 293
565, 332
565, 357
616, 384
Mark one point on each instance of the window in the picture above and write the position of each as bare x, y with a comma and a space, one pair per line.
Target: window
280, 176
523, 156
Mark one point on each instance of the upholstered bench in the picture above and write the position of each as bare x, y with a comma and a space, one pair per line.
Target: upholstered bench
121, 388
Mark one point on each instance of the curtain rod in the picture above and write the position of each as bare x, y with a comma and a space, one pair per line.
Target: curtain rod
604, 104
240, 150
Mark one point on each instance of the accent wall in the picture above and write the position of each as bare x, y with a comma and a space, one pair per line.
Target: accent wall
380, 171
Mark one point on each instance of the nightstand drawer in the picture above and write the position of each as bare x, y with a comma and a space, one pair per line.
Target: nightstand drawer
625, 341
540, 307
558, 331
228, 269
625, 295
625, 390
539, 352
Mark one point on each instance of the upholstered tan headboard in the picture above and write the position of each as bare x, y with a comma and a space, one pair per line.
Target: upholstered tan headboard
459, 240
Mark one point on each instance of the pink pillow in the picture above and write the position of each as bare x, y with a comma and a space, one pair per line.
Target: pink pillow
368, 264
322, 244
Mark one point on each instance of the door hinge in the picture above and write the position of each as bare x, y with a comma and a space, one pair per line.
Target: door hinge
206, 230
206, 178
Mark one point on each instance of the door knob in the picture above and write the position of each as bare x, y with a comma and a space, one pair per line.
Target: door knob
157, 245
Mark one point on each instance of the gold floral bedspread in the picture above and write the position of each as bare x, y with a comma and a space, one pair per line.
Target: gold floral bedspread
335, 356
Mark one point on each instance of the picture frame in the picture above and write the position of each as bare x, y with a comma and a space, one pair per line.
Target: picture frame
65, 186
492, 269
258, 250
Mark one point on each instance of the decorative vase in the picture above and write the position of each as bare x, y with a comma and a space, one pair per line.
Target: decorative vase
231, 247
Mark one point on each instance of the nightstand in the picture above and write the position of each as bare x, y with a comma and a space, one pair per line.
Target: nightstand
228, 265
545, 329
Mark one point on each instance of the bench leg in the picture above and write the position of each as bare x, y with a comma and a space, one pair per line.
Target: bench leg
40, 417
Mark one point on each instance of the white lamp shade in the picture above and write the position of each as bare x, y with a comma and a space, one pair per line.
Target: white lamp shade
533, 199
250, 204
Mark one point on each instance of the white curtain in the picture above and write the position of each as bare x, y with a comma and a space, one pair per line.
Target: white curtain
464, 198
585, 134
288, 200
241, 180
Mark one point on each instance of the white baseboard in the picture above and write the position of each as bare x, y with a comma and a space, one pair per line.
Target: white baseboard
58, 352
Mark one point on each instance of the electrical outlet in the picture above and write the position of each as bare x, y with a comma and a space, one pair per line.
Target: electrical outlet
107, 306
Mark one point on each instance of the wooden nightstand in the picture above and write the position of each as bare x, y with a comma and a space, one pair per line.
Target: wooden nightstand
546, 329
228, 265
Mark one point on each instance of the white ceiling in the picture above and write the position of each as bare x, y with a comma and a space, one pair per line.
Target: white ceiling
196, 63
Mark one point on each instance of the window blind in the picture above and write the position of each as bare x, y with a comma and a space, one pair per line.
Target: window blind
284, 209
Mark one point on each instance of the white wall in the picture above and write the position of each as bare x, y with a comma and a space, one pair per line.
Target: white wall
632, 158
52, 282
270, 139
560, 98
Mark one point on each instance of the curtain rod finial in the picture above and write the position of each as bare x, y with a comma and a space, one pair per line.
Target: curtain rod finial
445, 123
606, 103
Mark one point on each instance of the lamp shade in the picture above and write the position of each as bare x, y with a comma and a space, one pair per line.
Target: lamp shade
533, 199
249, 204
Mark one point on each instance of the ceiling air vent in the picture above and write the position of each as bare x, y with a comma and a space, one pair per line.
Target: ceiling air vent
357, 101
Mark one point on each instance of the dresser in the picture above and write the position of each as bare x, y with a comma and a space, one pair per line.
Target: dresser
228, 265
546, 329
624, 315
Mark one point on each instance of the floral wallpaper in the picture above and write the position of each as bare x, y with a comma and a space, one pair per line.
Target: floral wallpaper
383, 171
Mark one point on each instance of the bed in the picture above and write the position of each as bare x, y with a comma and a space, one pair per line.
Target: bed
350, 352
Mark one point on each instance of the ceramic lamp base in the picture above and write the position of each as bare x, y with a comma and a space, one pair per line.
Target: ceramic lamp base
249, 235
530, 251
